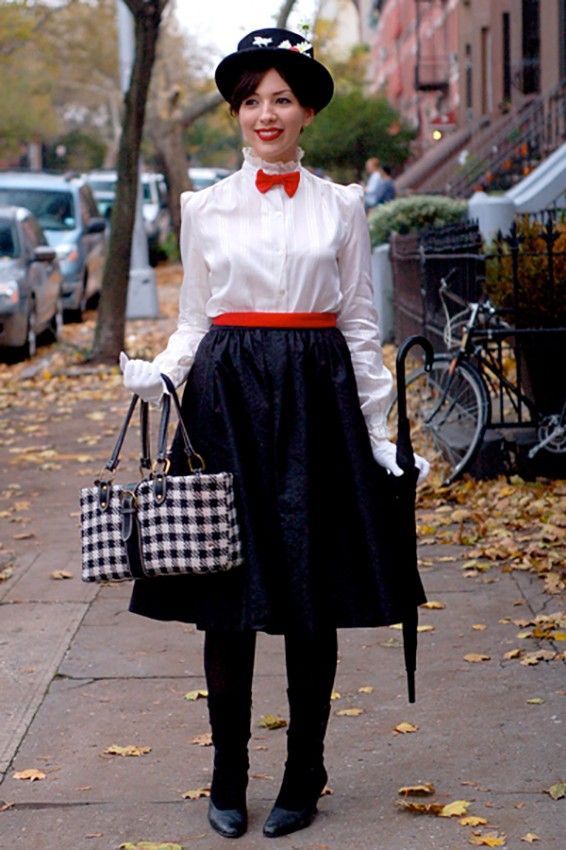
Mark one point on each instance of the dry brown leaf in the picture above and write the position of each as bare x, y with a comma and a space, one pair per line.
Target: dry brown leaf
558, 791
530, 837
6, 573
272, 721
476, 657
422, 790
335, 695
535, 701
532, 658
129, 750
513, 653
433, 605
204, 740
479, 627
455, 809
196, 793
489, 839
472, 820
194, 695
31, 774
366, 689
327, 791
260, 776
150, 845
349, 712
420, 808
404, 728
4, 807
59, 575
425, 628
23, 535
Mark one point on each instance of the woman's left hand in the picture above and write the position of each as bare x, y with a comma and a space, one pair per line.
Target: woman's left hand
385, 454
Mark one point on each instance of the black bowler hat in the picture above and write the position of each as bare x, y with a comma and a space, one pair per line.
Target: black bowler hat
283, 47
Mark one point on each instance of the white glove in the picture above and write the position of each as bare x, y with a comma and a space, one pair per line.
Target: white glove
142, 378
385, 454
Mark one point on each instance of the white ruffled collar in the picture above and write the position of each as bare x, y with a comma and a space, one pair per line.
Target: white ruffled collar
255, 162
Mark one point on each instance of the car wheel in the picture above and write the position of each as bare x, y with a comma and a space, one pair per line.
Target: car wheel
29, 347
75, 314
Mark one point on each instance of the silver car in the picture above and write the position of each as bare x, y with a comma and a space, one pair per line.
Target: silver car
30, 285
66, 210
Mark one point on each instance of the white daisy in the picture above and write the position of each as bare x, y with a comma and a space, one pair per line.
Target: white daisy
260, 41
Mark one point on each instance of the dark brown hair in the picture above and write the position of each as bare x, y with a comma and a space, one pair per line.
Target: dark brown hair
250, 79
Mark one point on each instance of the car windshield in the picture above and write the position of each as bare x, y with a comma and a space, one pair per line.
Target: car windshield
8, 241
53, 209
102, 185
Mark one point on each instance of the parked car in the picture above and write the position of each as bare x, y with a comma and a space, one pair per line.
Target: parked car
155, 211
30, 284
201, 178
66, 211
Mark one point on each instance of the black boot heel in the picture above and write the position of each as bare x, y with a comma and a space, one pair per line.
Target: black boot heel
295, 807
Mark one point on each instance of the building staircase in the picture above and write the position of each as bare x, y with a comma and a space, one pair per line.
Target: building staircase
492, 155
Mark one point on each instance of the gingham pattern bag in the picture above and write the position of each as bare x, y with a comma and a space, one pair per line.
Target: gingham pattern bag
163, 524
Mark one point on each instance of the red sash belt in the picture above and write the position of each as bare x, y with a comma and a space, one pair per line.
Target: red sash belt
277, 320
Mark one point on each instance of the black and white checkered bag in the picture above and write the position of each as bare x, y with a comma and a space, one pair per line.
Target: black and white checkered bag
163, 524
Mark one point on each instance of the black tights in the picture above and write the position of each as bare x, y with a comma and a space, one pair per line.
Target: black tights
310, 659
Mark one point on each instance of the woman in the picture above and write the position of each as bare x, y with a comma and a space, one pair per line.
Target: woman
286, 389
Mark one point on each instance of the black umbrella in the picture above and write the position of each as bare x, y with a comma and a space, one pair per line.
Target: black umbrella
405, 495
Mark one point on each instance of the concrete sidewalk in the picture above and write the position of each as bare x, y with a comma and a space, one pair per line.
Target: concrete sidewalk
79, 674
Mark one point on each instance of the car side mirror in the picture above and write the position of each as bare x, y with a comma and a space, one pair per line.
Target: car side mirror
44, 253
96, 225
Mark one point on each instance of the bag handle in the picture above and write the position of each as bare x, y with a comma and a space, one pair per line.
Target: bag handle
196, 461
145, 459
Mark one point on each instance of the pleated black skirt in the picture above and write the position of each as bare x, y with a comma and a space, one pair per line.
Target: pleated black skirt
279, 408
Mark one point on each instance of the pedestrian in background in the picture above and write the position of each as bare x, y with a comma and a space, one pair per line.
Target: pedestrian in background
386, 188
372, 183
278, 341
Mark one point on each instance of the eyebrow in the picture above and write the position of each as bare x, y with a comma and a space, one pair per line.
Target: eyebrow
276, 93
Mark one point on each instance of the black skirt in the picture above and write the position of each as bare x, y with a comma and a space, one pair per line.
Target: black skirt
321, 537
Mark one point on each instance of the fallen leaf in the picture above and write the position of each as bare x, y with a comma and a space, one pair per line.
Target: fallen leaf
535, 701
476, 657
23, 535
196, 793
433, 605
4, 807
558, 791
194, 695
420, 808
532, 658
472, 820
130, 750
513, 653
335, 695
204, 740
272, 721
530, 837
94, 835
327, 791
404, 728
454, 809
60, 574
349, 712
6, 573
31, 774
365, 689
479, 627
490, 839
422, 790
425, 628
150, 845
260, 776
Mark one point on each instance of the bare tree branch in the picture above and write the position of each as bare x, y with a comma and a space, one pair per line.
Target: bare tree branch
284, 12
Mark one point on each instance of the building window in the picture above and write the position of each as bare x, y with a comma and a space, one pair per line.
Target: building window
469, 96
506, 30
531, 47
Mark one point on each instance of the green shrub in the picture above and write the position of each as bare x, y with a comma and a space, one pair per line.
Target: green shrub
406, 214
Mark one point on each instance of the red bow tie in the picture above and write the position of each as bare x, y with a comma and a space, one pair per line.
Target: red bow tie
289, 181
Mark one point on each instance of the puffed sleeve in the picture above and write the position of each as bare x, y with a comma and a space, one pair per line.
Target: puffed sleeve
357, 318
192, 324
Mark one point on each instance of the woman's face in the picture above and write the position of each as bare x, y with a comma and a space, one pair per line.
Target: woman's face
272, 118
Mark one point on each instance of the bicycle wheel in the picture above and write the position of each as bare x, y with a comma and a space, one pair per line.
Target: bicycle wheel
448, 413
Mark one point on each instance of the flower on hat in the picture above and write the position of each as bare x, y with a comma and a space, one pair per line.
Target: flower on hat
302, 47
260, 41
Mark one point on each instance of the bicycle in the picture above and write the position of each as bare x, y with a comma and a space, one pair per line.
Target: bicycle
452, 405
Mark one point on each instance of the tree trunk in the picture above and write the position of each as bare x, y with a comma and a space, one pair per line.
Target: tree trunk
167, 136
111, 320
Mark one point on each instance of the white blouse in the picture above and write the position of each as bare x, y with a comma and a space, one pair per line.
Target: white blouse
247, 251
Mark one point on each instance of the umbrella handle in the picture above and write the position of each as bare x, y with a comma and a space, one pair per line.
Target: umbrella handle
404, 348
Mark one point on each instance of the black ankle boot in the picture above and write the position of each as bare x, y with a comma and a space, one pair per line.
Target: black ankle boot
295, 806
230, 724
